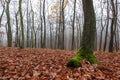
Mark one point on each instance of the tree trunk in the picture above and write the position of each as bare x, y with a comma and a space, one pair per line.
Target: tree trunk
89, 28
73, 26
9, 32
16, 36
113, 26
88, 37
106, 33
63, 25
28, 24
44, 41
1, 16
21, 23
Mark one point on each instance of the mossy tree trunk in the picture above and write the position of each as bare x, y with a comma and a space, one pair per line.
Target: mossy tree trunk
88, 37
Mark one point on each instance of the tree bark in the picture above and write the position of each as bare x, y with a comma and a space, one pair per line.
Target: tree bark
21, 23
88, 37
113, 26
63, 25
44, 41
9, 32
106, 32
89, 28
73, 26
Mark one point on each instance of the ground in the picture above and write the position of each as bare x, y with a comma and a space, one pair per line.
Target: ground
48, 64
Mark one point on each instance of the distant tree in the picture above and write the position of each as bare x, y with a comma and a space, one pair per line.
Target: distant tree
1, 37
73, 25
63, 24
113, 26
107, 25
44, 20
21, 23
41, 24
88, 37
33, 32
17, 30
102, 24
28, 24
3, 10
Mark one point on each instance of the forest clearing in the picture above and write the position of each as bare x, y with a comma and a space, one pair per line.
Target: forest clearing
49, 64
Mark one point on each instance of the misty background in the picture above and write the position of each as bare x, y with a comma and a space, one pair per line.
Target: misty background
34, 14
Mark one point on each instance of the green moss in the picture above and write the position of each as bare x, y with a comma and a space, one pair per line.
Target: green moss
83, 53
87, 54
75, 62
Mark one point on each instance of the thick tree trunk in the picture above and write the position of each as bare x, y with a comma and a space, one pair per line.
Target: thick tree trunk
88, 37
89, 28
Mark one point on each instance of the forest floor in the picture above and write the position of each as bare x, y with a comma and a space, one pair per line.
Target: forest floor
48, 64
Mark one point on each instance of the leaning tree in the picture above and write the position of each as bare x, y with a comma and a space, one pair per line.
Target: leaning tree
88, 37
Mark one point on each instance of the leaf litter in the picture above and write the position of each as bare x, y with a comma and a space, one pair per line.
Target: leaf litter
48, 64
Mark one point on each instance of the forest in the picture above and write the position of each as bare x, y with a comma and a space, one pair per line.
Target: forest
59, 39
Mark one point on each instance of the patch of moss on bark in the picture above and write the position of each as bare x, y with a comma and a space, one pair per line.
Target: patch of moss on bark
83, 53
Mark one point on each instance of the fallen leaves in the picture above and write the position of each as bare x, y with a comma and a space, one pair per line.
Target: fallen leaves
48, 64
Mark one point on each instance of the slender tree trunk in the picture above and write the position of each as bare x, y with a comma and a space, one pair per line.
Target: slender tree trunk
115, 24
60, 21
17, 29
51, 36
33, 30
41, 33
106, 33
113, 27
117, 40
73, 26
63, 25
27, 16
9, 32
44, 41
21, 23
102, 28
1, 16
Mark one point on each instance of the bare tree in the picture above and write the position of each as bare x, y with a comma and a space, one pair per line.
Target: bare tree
17, 30
44, 20
102, 25
73, 25
107, 25
9, 32
28, 23
3, 6
113, 26
21, 23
